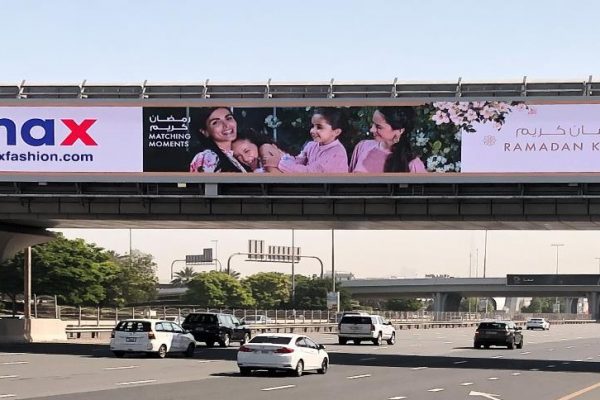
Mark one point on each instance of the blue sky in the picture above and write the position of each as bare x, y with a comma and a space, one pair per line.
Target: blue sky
129, 41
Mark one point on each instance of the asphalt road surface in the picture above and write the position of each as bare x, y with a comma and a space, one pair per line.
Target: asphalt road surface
560, 364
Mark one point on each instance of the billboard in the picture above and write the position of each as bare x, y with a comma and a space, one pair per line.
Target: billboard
552, 280
438, 137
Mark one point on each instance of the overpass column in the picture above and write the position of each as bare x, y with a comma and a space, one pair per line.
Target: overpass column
594, 305
571, 305
439, 302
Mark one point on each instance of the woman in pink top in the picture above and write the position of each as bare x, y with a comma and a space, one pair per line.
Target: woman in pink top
390, 149
325, 154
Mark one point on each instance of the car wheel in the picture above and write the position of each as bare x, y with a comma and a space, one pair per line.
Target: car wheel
377, 341
162, 351
486, 346
299, 369
245, 371
324, 366
226, 340
392, 339
511, 345
190, 350
245, 339
520, 345
341, 341
119, 354
477, 345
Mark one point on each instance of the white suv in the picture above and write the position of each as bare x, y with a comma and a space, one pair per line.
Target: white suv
537, 323
366, 327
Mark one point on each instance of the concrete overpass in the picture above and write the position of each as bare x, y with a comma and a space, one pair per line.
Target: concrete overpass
447, 292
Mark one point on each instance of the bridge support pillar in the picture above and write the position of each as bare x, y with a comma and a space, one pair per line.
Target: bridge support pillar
571, 305
594, 305
444, 302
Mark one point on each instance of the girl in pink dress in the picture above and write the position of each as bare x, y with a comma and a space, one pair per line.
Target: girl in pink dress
324, 154
390, 149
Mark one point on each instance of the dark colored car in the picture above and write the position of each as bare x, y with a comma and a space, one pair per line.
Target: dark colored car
498, 333
214, 328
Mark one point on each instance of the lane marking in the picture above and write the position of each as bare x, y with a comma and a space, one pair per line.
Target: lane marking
565, 363
516, 374
418, 368
569, 347
448, 342
15, 363
125, 367
368, 358
5, 396
211, 361
493, 378
397, 398
525, 353
580, 392
550, 366
579, 360
459, 362
534, 369
380, 348
436, 390
12, 354
278, 388
136, 382
466, 384
497, 356
8, 376
358, 376
590, 358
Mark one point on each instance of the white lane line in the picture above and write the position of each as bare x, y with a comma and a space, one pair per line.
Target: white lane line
278, 388
124, 367
516, 374
368, 358
448, 342
550, 366
578, 360
569, 347
466, 384
11, 354
436, 390
15, 363
358, 376
380, 348
459, 362
396, 398
418, 368
534, 369
8, 376
211, 361
497, 357
525, 353
493, 378
589, 358
6, 396
136, 382
565, 363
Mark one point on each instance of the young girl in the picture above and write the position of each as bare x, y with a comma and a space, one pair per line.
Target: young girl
390, 149
249, 149
325, 154
219, 130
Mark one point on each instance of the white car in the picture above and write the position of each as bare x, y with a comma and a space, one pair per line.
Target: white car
282, 351
256, 319
359, 327
537, 323
151, 337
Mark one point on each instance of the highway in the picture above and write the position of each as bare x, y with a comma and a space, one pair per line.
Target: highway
560, 364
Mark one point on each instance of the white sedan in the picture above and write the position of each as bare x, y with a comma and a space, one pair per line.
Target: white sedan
537, 323
282, 351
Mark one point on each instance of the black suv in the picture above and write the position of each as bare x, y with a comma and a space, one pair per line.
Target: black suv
498, 333
214, 328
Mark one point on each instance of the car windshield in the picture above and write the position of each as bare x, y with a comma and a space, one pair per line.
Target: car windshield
492, 325
271, 339
201, 318
355, 320
133, 326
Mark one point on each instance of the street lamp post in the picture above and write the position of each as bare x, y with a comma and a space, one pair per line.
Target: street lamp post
172, 264
557, 245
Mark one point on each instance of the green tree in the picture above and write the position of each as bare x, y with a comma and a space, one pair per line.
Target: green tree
269, 289
311, 293
406, 304
540, 305
183, 277
218, 289
11, 280
135, 280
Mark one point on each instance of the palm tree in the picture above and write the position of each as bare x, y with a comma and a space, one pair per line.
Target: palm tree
183, 277
235, 274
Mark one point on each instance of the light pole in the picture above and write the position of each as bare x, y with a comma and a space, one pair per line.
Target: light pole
216, 242
172, 264
557, 245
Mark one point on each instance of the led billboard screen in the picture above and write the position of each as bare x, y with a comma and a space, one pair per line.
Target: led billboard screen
440, 137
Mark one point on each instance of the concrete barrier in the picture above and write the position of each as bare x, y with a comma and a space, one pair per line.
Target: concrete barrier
41, 330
